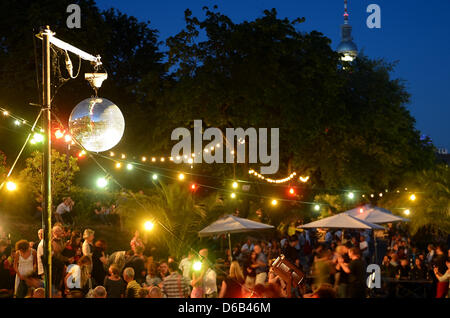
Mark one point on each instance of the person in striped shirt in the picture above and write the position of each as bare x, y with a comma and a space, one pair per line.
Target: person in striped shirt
175, 285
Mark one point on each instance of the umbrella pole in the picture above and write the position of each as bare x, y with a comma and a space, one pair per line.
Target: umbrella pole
375, 245
229, 246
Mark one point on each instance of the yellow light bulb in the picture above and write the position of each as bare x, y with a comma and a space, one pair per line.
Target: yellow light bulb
11, 186
197, 266
148, 226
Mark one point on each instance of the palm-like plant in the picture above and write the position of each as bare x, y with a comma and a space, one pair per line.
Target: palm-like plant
177, 213
432, 206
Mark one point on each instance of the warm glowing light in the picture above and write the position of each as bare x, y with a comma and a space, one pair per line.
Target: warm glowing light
291, 191
235, 185
5, 113
123, 156
154, 176
260, 176
407, 212
17, 123
82, 153
361, 210
190, 160
197, 266
381, 194
59, 134
11, 186
206, 150
304, 179
162, 159
351, 195
181, 176
317, 207
118, 165
412, 197
111, 154
170, 158
67, 138
193, 187
274, 202
37, 138
102, 182
153, 159
149, 226
129, 166
233, 195
144, 159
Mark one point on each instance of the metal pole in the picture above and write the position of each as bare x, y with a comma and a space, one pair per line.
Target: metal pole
46, 167
229, 246
375, 247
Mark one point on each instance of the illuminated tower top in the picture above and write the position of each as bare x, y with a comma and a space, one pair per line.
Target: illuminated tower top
347, 47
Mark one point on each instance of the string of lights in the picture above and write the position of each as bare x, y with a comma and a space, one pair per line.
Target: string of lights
121, 161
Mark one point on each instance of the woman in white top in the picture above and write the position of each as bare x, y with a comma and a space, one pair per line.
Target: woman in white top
25, 263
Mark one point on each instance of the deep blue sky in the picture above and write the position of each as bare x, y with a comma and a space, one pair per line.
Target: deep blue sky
415, 33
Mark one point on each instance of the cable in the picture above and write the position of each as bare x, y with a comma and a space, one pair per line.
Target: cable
21, 150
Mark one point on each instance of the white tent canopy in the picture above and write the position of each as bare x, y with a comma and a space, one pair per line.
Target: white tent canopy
232, 224
374, 214
341, 221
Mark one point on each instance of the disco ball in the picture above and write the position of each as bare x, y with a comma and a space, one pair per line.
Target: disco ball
97, 123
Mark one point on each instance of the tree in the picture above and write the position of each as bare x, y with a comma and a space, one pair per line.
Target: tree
347, 127
431, 208
63, 172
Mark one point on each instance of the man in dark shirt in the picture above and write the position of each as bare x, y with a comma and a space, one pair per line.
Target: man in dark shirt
404, 269
419, 272
356, 274
290, 252
138, 264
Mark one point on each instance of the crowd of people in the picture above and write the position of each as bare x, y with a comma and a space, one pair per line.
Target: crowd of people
333, 264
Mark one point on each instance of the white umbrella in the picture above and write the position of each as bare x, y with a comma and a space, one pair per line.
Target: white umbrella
232, 224
341, 221
374, 214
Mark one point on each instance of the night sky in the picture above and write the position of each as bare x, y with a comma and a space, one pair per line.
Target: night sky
414, 33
